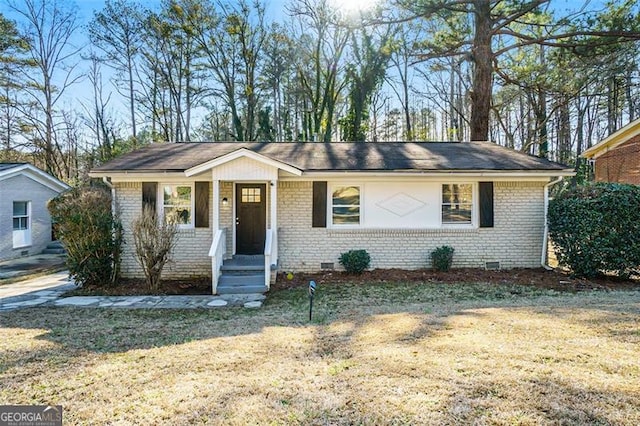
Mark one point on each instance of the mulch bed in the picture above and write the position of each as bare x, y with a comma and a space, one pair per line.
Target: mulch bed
542, 278
555, 280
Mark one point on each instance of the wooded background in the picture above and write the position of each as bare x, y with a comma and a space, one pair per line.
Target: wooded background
531, 75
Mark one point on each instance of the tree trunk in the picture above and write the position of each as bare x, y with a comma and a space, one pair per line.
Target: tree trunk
483, 72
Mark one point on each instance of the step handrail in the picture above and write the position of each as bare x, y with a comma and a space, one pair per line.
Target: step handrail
268, 253
216, 252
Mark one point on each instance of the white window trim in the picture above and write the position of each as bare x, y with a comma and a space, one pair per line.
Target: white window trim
28, 215
22, 237
332, 187
160, 203
474, 207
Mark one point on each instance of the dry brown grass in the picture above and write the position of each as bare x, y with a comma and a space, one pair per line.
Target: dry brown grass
381, 354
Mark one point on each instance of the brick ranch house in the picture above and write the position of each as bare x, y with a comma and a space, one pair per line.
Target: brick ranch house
249, 209
617, 157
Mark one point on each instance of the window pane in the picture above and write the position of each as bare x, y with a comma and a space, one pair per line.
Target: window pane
20, 223
457, 213
177, 195
346, 215
184, 194
447, 191
182, 215
169, 198
250, 195
457, 203
19, 208
177, 204
346, 196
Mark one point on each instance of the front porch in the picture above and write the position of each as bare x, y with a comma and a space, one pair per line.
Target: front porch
244, 247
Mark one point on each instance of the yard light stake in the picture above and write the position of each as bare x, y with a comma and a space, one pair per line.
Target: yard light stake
312, 292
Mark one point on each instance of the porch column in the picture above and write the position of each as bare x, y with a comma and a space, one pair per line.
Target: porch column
274, 221
215, 225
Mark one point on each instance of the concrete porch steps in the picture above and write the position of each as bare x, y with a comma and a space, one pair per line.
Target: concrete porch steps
242, 275
54, 247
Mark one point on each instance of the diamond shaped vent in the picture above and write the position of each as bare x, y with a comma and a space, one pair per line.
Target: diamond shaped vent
401, 204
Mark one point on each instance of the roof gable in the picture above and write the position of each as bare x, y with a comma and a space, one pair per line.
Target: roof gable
238, 154
9, 170
613, 140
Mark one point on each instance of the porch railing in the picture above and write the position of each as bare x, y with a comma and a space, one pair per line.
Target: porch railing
217, 252
269, 256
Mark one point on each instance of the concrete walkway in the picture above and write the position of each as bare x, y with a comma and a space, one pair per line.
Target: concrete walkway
47, 291
11, 270
34, 291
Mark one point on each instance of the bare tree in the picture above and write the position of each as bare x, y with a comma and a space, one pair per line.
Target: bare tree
322, 44
117, 31
49, 29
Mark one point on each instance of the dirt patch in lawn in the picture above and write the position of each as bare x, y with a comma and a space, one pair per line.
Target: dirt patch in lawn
540, 278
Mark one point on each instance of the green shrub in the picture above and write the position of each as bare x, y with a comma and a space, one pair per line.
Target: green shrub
91, 235
355, 261
441, 258
596, 229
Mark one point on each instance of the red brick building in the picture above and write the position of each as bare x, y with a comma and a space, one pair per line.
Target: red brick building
617, 157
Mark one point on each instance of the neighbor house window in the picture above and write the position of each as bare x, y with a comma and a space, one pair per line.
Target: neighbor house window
457, 203
345, 205
178, 203
20, 215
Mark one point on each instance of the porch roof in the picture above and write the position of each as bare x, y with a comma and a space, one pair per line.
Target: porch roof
336, 156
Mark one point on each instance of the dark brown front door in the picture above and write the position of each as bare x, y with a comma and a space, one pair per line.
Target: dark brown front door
251, 218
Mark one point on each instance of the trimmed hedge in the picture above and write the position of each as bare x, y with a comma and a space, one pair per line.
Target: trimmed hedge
596, 229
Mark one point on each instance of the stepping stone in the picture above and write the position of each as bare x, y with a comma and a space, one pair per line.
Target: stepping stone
256, 304
124, 303
77, 301
217, 303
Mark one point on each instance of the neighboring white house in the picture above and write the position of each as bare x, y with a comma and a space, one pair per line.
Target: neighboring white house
298, 206
25, 223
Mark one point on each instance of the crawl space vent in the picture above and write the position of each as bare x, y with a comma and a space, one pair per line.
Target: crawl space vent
492, 266
326, 265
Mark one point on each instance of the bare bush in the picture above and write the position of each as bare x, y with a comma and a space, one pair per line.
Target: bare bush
154, 242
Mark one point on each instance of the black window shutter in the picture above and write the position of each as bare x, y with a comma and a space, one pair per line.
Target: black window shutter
486, 204
319, 204
202, 205
149, 194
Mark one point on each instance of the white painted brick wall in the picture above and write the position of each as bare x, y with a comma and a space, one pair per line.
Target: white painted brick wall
191, 255
514, 241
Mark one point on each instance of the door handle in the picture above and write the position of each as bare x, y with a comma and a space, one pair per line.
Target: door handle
237, 221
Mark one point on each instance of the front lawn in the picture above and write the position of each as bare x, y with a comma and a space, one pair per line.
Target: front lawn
373, 354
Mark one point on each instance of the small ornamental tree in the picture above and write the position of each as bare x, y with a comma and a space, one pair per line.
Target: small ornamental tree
596, 229
154, 241
91, 234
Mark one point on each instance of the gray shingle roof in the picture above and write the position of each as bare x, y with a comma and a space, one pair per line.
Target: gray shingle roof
338, 156
6, 166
